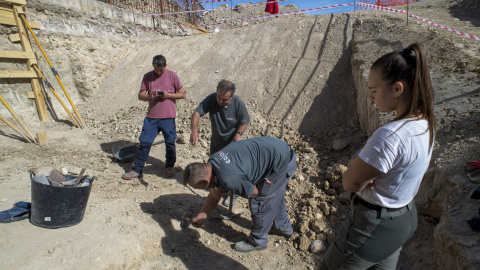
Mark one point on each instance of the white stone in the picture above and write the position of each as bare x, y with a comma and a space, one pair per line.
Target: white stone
317, 246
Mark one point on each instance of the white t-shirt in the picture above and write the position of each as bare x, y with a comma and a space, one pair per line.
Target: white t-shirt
402, 154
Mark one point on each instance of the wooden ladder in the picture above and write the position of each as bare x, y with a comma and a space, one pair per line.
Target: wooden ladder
9, 15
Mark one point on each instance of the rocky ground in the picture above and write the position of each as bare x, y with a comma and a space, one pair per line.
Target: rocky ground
295, 74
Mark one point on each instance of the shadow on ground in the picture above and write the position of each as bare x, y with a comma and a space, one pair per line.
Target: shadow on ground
186, 243
464, 11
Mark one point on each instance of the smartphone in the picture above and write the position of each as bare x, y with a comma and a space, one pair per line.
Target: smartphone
159, 93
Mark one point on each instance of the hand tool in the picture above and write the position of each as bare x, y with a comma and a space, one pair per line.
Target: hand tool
47, 83
185, 223
79, 177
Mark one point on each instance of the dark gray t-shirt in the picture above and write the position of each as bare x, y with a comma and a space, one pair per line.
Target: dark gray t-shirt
242, 164
224, 120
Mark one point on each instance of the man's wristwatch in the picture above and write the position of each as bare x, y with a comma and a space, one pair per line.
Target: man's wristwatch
239, 132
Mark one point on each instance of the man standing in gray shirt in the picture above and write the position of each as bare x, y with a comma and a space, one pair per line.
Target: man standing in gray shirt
228, 118
258, 169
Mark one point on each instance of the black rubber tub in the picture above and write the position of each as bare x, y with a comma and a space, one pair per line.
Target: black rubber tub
57, 207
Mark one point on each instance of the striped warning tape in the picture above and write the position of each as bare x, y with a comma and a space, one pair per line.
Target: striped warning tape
259, 17
421, 19
203, 10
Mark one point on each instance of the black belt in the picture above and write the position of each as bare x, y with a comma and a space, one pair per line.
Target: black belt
358, 200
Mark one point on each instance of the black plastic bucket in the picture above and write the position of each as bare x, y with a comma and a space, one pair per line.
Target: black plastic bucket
57, 207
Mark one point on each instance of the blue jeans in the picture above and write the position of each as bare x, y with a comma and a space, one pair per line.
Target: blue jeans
150, 130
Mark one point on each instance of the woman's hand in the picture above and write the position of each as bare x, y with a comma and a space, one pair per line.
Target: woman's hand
370, 185
359, 175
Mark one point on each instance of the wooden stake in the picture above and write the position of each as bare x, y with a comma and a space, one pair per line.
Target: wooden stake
17, 118
16, 129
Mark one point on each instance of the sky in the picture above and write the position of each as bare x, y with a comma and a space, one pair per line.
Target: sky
301, 4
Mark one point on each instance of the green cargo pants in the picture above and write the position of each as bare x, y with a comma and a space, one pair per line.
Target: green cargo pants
371, 236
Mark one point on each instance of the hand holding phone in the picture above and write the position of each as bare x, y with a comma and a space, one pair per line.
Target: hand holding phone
159, 93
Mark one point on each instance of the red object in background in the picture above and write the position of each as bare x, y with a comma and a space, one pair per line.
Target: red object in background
272, 7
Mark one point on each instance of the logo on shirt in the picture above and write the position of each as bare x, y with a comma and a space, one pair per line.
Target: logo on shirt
224, 156
231, 119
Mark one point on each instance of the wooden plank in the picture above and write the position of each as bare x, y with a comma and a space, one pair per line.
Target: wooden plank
16, 74
6, 14
17, 55
19, 2
42, 137
20, 10
14, 38
30, 95
6, 7
11, 21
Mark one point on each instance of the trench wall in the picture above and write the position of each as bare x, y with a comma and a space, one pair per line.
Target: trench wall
443, 197
101, 9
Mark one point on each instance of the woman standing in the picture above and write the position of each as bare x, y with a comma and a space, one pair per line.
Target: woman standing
386, 174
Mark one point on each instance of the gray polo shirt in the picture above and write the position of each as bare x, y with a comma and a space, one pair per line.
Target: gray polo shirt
224, 120
242, 164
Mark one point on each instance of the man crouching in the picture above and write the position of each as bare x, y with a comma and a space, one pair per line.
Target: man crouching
258, 169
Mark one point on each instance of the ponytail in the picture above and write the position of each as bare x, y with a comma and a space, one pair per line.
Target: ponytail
410, 66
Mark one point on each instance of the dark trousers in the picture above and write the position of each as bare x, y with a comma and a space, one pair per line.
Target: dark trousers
268, 207
372, 237
150, 130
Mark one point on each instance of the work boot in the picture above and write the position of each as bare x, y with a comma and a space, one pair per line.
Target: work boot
131, 175
246, 246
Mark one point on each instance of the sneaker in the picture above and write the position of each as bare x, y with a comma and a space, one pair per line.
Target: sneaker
131, 175
245, 246
170, 172
275, 231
